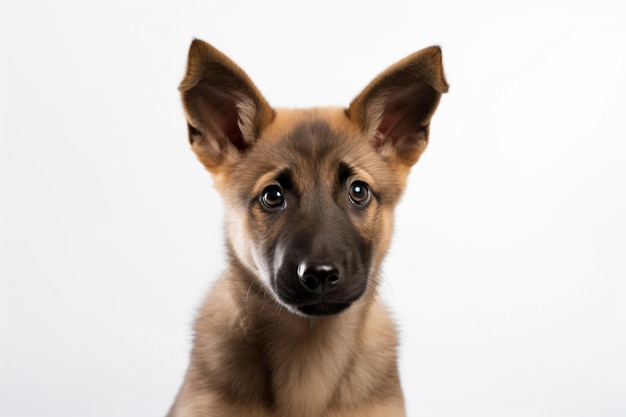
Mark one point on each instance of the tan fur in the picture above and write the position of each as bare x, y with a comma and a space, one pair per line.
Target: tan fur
252, 356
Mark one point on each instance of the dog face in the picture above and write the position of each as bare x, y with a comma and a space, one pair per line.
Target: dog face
310, 193
316, 212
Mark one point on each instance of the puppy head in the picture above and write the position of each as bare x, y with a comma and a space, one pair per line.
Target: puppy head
310, 193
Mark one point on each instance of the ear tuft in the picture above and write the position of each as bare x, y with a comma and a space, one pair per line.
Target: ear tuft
431, 66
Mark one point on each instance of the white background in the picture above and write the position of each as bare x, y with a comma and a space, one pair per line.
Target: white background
506, 275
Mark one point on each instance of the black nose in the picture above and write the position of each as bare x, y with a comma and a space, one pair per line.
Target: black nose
318, 277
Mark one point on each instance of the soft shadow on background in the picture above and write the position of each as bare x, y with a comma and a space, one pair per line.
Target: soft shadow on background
506, 274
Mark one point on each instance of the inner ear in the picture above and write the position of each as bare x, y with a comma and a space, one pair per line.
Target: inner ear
403, 112
216, 117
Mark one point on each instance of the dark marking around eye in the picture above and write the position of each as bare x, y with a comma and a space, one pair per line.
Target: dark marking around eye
284, 178
345, 172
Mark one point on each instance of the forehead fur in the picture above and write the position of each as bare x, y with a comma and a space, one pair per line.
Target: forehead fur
312, 144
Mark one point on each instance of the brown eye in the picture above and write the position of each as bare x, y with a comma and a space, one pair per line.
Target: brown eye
272, 197
359, 193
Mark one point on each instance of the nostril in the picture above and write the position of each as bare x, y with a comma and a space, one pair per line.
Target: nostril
332, 280
310, 282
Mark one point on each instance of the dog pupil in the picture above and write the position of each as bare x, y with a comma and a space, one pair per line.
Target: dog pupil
358, 192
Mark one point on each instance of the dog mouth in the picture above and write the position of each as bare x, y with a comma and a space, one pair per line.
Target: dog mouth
322, 308
317, 304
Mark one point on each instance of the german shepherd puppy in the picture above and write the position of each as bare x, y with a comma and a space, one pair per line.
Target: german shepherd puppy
295, 327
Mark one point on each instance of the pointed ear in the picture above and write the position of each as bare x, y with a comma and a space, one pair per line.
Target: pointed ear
394, 110
225, 111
